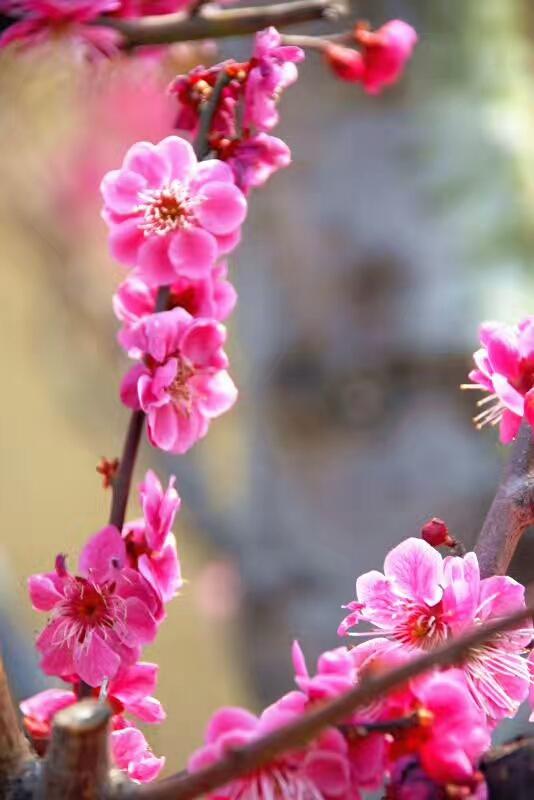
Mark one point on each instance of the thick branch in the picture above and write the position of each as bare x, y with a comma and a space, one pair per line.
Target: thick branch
212, 22
76, 766
247, 759
14, 749
512, 510
509, 771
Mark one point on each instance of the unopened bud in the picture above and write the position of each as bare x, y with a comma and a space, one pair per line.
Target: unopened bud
436, 533
344, 62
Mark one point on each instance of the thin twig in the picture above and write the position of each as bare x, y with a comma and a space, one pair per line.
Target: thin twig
212, 22
202, 146
512, 510
262, 751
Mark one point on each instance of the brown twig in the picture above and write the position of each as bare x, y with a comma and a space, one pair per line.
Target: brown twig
262, 751
76, 766
14, 749
512, 510
212, 22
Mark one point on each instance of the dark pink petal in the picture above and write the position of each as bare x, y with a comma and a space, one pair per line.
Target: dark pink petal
135, 682
222, 209
95, 660
329, 772
129, 391
45, 705
503, 352
201, 340
417, 570
153, 261
228, 719
192, 252
509, 426
148, 709
140, 623
43, 593
529, 407
216, 393
103, 555
53, 643
163, 426
125, 239
227, 243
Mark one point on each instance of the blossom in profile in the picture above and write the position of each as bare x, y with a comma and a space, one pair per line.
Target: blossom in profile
319, 770
504, 367
99, 618
253, 159
421, 600
183, 382
212, 296
345, 62
384, 53
273, 69
170, 215
38, 21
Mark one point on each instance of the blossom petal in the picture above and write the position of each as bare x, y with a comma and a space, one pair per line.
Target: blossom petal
417, 570
179, 154
95, 660
223, 208
192, 252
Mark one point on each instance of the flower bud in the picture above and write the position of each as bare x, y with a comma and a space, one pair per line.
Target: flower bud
436, 533
345, 62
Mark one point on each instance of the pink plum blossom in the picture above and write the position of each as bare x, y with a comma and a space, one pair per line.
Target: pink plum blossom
504, 367
212, 296
131, 753
183, 383
159, 508
99, 618
422, 600
319, 770
272, 70
39, 20
170, 215
385, 53
254, 159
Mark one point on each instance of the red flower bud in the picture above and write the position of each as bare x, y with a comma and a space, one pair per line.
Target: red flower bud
345, 62
436, 533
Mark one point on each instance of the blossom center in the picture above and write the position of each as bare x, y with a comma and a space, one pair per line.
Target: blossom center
166, 209
180, 389
88, 606
424, 628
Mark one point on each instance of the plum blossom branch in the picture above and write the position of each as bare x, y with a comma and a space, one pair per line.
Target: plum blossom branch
212, 22
261, 751
14, 749
512, 509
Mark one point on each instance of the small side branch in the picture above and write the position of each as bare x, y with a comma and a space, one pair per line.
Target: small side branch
262, 751
512, 510
212, 22
77, 766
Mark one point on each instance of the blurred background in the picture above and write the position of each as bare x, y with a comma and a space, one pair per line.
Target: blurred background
364, 271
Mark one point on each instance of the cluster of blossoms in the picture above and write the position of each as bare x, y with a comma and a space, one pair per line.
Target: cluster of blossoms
425, 739
100, 618
247, 110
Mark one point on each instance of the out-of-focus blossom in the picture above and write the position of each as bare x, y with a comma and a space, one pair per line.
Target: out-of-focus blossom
273, 69
385, 53
504, 367
195, 88
421, 600
345, 62
409, 781
253, 159
183, 383
213, 296
131, 753
98, 618
319, 770
38, 21
170, 215
149, 8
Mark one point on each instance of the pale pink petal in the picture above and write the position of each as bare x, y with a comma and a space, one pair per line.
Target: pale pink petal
180, 156
417, 570
129, 391
212, 169
145, 159
45, 705
216, 393
509, 396
120, 190
192, 252
227, 719
223, 208
375, 593
503, 353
